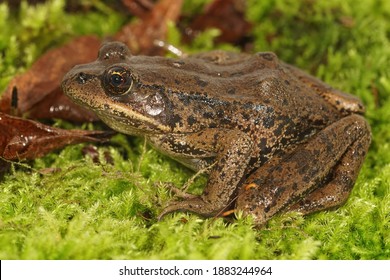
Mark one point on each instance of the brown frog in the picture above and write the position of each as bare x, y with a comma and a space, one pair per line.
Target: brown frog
276, 139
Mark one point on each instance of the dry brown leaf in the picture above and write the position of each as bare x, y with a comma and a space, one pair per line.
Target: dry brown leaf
138, 8
38, 91
226, 15
140, 36
26, 139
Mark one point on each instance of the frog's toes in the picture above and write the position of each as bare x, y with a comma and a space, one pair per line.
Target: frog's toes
195, 205
179, 192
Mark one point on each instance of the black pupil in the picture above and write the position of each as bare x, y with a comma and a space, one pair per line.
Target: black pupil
117, 80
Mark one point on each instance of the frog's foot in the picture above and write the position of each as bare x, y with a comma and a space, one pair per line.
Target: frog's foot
195, 205
179, 192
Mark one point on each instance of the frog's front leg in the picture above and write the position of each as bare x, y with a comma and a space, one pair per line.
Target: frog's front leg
232, 150
315, 176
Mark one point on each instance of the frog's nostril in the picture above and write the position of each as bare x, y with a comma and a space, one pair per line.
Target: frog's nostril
82, 78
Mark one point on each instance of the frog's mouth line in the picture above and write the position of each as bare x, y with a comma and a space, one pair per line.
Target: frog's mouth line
129, 121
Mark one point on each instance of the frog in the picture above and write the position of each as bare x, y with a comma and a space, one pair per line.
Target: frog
273, 138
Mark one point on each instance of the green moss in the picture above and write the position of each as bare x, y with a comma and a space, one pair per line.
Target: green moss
108, 211
30, 31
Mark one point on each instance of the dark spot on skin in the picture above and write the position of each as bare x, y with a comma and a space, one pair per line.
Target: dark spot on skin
279, 192
246, 116
347, 182
176, 119
245, 128
266, 101
208, 115
225, 121
329, 147
267, 56
200, 82
220, 113
231, 91
219, 167
236, 74
343, 110
268, 122
290, 128
266, 150
180, 62
82, 78
278, 168
248, 106
278, 130
263, 144
258, 181
319, 123
177, 82
287, 82
306, 178
191, 120
184, 99
284, 142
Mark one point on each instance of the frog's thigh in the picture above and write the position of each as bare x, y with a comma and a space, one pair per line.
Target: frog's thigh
340, 182
335, 152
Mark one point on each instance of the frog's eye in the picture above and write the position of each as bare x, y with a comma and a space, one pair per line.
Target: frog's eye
117, 81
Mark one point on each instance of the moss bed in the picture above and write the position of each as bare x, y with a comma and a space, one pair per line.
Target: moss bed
107, 211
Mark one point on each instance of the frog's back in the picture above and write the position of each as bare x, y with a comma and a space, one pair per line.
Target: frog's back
230, 77
223, 84
258, 81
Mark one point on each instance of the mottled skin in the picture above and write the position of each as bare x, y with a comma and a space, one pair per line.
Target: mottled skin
280, 139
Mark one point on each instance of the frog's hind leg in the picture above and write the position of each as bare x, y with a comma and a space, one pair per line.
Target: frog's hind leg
314, 176
336, 189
